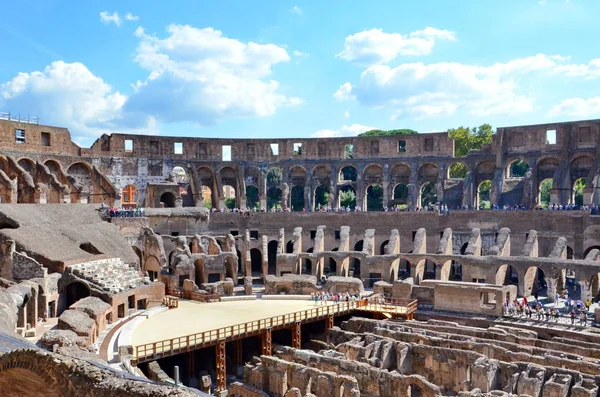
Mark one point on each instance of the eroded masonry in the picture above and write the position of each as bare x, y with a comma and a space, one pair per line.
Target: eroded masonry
297, 297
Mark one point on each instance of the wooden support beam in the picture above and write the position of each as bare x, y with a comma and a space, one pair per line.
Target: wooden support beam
267, 344
329, 322
238, 353
221, 369
297, 335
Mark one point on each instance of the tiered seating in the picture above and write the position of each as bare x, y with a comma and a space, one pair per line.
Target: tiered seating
111, 275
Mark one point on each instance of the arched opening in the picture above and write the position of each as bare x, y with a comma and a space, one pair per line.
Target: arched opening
517, 169
167, 200
76, 291
429, 273
375, 198
307, 263
206, 193
358, 247
506, 275
544, 192
229, 197
578, 188
347, 197
199, 272
483, 195
573, 286
152, 266
321, 197
535, 282
428, 194
383, 246
297, 198
569, 252
252, 198
452, 271
256, 262
457, 171
332, 268
588, 250
403, 269
272, 256
347, 174
274, 195
289, 247
54, 168
400, 195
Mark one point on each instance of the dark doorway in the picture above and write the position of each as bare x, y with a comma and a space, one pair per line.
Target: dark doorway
75, 292
256, 261
272, 256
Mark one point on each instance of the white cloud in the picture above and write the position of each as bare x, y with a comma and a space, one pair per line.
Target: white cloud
346, 114
420, 90
130, 17
68, 94
373, 46
107, 18
346, 130
300, 53
297, 10
577, 107
201, 76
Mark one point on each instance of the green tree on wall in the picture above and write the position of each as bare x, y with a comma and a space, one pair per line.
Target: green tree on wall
545, 188
404, 131
230, 202
348, 199
466, 139
578, 191
375, 198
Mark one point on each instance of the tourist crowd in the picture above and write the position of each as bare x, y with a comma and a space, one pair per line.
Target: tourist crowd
326, 297
564, 307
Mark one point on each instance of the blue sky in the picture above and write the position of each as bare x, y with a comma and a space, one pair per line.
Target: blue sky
298, 68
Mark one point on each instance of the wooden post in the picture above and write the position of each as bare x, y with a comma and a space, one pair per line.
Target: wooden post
267, 343
238, 353
329, 322
297, 336
221, 369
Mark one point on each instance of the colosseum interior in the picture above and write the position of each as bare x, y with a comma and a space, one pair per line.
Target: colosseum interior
164, 266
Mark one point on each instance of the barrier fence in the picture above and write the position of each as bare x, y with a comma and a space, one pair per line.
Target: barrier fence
169, 347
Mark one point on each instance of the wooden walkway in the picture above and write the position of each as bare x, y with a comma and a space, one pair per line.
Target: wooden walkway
170, 347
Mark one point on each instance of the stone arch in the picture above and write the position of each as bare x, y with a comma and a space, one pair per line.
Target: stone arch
76, 291
229, 177
168, 200
322, 175
578, 191
82, 174
535, 282
27, 164
373, 174
507, 275
199, 271
272, 256
321, 196
483, 171
256, 262
400, 173
400, 193
483, 197
383, 246
289, 247
342, 192
451, 271
206, 191
516, 168
458, 170
297, 202
544, 197
374, 197
404, 269
152, 266
425, 270
54, 167
589, 249
546, 167
347, 174
252, 197
274, 196
297, 176
428, 194
307, 263
428, 172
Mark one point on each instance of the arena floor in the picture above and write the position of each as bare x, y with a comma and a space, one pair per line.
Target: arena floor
193, 317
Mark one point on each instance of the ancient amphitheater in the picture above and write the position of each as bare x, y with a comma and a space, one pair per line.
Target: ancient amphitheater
125, 272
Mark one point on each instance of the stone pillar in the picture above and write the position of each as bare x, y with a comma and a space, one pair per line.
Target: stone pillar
307, 197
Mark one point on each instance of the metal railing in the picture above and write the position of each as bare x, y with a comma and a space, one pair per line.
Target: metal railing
18, 118
169, 347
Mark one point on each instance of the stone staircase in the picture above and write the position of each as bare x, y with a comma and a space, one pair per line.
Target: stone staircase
111, 275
